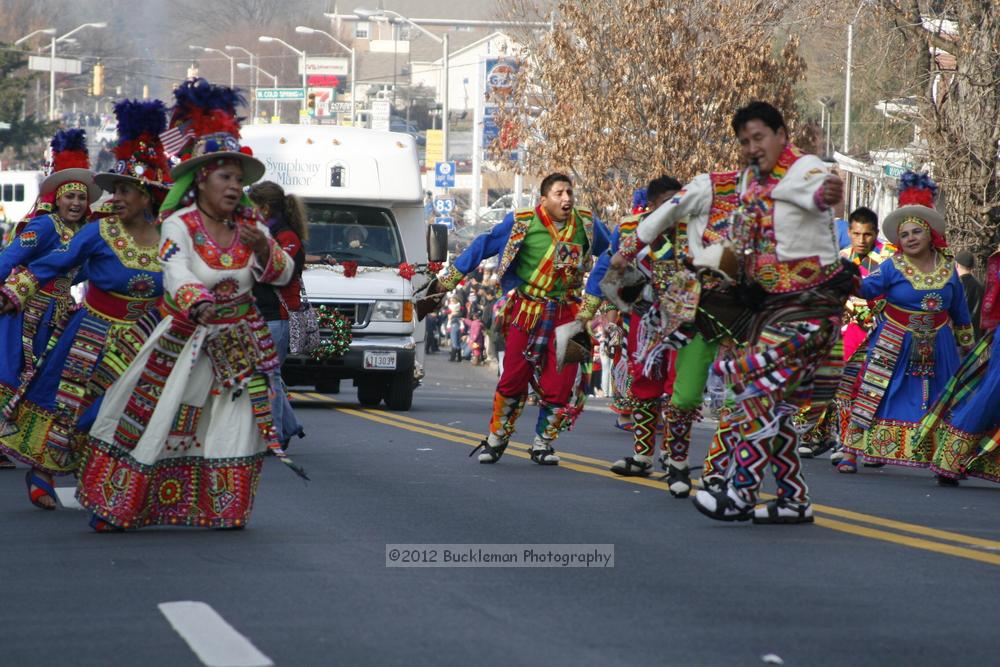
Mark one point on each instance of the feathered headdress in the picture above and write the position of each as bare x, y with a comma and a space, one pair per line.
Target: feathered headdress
69, 150
203, 129
917, 188
640, 201
916, 195
204, 123
70, 166
139, 151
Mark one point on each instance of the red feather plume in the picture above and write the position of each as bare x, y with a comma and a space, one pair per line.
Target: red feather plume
70, 160
917, 196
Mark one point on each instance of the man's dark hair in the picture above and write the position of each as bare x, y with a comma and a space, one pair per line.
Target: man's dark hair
551, 180
863, 215
661, 184
762, 111
966, 259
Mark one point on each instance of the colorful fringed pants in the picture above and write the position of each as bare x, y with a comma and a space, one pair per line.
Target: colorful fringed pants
646, 393
555, 387
723, 444
751, 456
794, 363
691, 366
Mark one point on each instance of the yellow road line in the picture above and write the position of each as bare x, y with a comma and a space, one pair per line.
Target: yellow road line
902, 526
478, 436
915, 542
520, 450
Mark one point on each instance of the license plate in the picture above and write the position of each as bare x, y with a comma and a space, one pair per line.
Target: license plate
380, 360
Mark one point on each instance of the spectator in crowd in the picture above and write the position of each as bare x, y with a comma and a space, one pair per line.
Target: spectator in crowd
964, 263
455, 327
432, 343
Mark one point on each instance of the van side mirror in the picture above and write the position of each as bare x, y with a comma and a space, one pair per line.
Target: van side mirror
437, 242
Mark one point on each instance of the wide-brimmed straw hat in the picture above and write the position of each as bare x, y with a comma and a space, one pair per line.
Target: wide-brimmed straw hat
916, 203
70, 164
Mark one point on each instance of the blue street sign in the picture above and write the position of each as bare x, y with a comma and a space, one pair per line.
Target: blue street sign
446, 221
444, 175
444, 205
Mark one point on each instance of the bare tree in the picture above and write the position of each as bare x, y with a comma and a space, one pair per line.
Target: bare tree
623, 90
957, 43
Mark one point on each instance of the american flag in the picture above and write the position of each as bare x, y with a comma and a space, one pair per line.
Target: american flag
175, 138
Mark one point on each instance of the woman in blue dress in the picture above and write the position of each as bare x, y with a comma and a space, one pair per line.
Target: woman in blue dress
118, 254
963, 426
65, 197
914, 349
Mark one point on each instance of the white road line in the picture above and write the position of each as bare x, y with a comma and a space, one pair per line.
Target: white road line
67, 497
215, 642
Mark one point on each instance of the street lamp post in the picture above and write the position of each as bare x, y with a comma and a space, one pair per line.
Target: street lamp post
253, 78
847, 78
828, 104
42, 31
52, 62
38, 93
302, 54
274, 79
305, 30
383, 14
231, 59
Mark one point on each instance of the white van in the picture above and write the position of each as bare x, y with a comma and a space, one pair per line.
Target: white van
18, 192
350, 177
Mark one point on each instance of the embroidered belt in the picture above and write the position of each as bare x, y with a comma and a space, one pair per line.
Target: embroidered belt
885, 355
917, 321
114, 306
794, 275
224, 312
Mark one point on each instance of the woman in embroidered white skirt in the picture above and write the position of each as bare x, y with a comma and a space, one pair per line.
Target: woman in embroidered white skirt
180, 437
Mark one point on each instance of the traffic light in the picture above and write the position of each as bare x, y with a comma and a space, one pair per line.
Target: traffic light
311, 104
98, 87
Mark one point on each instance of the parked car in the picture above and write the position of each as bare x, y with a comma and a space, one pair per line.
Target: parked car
400, 125
459, 239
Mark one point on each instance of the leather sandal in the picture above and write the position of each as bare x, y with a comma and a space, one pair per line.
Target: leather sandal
544, 456
38, 488
629, 467
490, 454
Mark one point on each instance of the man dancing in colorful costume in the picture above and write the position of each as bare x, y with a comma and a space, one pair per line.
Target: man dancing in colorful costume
701, 221
780, 247
645, 392
544, 254
657, 373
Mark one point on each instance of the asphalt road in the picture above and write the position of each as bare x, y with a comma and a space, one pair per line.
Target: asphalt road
896, 571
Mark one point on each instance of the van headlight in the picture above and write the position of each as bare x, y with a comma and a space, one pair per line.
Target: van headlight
393, 311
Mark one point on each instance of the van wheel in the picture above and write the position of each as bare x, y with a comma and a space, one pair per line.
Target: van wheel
370, 393
328, 387
399, 394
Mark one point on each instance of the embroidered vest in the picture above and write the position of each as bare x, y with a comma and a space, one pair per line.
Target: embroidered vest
523, 219
757, 239
725, 200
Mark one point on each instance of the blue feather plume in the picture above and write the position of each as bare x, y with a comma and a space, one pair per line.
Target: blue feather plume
909, 180
69, 140
205, 96
138, 117
639, 198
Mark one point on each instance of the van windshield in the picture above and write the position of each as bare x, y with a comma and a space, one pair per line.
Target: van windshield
363, 234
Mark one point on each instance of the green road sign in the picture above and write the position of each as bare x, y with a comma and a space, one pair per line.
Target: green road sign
280, 93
